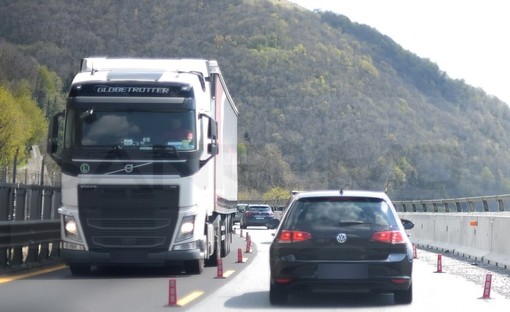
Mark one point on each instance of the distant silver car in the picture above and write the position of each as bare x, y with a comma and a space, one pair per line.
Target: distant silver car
239, 213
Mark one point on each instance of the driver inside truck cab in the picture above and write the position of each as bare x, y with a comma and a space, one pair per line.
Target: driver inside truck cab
176, 132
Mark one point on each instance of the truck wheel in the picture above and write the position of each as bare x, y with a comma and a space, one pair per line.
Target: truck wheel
79, 269
213, 259
225, 244
194, 266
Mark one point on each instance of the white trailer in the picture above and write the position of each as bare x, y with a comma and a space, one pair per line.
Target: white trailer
148, 154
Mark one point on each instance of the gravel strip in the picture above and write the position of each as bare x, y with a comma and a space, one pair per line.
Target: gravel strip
472, 270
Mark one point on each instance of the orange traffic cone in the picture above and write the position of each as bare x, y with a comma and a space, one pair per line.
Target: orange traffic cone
439, 264
487, 287
172, 292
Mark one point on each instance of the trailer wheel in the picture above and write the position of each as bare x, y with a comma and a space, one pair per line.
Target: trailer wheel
194, 266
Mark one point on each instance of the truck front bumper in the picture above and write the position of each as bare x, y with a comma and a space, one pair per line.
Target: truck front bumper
129, 257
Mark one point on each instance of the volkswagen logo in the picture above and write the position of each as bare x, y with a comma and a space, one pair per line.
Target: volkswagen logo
341, 238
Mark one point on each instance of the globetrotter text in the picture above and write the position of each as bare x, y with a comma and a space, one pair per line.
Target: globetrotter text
105, 89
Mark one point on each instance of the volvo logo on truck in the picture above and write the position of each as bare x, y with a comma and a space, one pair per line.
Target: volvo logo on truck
88, 186
129, 168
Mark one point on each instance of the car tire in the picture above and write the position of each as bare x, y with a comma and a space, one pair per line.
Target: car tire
277, 295
404, 296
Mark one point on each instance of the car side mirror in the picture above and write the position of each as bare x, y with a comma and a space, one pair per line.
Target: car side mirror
272, 224
407, 224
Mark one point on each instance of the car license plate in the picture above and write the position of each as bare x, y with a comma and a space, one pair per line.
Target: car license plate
342, 271
259, 218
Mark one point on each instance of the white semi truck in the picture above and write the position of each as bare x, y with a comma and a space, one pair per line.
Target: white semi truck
148, 154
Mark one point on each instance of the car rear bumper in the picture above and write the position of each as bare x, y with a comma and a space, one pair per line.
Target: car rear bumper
343, 277
257, 222
343, 286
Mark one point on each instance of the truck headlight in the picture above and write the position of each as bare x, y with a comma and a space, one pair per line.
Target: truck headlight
71, 228
186, 229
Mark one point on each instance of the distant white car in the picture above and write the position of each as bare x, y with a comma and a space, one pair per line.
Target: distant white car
240, 209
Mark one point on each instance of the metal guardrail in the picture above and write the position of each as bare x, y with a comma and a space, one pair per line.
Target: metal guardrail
29, 225
495, 203
26, 233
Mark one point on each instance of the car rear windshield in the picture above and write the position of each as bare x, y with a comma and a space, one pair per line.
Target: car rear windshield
340, 211
259, 208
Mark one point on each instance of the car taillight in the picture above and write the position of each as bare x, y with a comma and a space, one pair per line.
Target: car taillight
293, 236
390, 237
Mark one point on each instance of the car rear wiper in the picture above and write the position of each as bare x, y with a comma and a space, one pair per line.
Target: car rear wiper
349, 223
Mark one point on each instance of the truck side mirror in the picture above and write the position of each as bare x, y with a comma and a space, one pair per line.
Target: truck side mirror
212, 134
212, 148
53, 136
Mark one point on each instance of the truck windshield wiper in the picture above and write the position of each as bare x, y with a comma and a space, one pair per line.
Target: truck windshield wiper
165, 149
114, 150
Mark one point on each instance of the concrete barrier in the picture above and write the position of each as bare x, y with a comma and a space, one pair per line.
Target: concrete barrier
480, 236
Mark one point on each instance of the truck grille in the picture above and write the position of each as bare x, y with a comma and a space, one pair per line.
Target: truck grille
116, 217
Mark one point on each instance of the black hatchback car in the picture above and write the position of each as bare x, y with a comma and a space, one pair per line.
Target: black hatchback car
341, 241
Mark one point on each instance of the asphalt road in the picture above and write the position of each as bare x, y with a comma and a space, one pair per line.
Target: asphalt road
244, 287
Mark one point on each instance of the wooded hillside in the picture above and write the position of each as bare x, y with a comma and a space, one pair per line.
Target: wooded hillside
324, 102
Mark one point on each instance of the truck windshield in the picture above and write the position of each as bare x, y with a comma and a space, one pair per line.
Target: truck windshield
130, 129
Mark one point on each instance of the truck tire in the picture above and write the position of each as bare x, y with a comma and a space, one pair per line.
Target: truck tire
79, 269
194, 266
213, 258
225, 244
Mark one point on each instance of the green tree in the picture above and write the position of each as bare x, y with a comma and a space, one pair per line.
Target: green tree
277, 193
34, 122
12, 136
22, 124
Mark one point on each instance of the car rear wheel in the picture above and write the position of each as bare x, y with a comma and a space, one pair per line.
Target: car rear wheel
277, 296
404, 296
